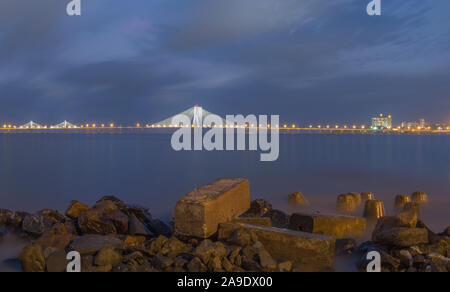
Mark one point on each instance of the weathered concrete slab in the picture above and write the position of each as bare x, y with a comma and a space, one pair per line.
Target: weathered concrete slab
262, 221
335, 226
200, 212
308, 252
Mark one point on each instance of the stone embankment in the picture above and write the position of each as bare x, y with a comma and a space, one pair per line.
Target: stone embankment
217, 228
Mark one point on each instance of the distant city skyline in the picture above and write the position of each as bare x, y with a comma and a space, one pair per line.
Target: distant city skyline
309, 61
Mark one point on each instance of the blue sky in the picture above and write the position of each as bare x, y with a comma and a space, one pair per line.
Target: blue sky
309, 61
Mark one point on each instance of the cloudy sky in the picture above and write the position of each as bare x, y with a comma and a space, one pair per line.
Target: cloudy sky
144, 60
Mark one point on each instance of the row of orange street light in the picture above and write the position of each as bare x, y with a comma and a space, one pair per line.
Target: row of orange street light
285, 126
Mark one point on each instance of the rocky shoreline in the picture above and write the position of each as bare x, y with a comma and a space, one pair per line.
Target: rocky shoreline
216, 228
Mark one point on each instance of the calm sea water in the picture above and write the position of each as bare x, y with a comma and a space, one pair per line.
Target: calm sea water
49, 170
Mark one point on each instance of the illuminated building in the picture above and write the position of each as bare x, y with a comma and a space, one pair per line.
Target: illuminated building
382, 122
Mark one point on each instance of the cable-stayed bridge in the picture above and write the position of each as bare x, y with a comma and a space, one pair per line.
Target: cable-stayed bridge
196, 116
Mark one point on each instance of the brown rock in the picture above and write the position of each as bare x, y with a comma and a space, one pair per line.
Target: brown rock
266, 261
94, 222
119, 219
91, 244
134, 240
57, 262
215, 265
285, 266
208, 249
105, 218
242, 237
76, 209
227, 265
163, 263
114, 200
56, 237
334, 226
174, 247
298, 199
32, 259
308, 251
108, 256
157, 244
196, 266
405, 219
402, 237
40, 222
199, 213
136, 227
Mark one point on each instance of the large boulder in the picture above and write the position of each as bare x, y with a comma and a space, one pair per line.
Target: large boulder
141, 213
76, 209
136, 227
32, 259
199, 213
40, 222
158, 227
114, 200
104, 218
402, 237
405, 219
57, 261
57, 237
308, 252
91, 244
335, 226
93, 222
108, 256
297, 199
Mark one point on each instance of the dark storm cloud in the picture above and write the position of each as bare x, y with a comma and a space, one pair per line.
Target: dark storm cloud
308, 60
